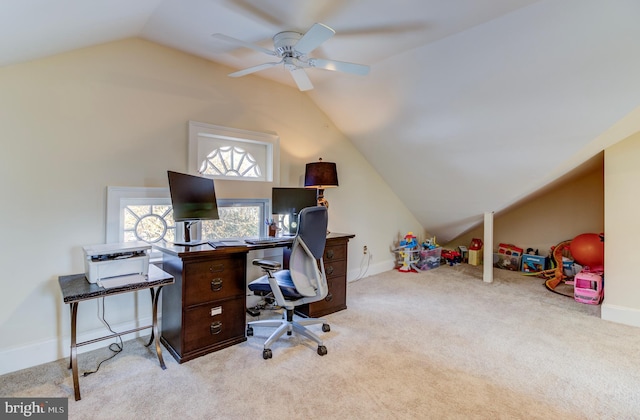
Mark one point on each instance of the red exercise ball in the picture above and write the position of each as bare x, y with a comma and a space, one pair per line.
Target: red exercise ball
588, 249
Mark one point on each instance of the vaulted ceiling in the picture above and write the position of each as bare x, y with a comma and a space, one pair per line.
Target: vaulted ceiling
470, 105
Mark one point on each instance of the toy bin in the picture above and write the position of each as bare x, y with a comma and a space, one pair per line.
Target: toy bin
506, 262
533, 263
429, 258
587, 288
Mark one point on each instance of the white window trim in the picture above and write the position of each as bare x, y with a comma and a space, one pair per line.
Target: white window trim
198, 130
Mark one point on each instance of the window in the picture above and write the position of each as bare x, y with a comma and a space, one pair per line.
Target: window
230, 153
146, 214
231, 161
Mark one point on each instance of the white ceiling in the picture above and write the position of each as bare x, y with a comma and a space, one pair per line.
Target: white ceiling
470, 105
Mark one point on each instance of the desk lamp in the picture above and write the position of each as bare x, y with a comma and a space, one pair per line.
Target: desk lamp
321, 175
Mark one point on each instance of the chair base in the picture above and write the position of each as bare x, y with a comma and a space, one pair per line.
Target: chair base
288, 325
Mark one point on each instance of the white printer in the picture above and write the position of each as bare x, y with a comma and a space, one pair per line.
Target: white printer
114, 260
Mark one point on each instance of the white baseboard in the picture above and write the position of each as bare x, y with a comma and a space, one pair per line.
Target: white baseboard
34, 354
620, 314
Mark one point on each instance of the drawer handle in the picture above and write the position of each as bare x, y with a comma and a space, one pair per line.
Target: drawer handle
215, 328
216, 284
329, 270
216, 268
329, 297
330, 254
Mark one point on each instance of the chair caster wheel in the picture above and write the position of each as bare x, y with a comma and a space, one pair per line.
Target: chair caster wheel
249, 331
322, 350
326, 328
266, 354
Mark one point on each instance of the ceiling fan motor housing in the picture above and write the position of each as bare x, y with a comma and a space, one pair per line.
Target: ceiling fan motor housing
284, 43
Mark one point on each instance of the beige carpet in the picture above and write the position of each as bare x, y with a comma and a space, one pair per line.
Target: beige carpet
438, 344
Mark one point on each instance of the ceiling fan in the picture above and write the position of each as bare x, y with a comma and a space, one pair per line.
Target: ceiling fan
293, 48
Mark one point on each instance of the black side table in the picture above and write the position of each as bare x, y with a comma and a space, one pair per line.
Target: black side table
75, 288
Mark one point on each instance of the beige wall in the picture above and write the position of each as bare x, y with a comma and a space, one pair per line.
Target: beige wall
116, 115
622, 224
576, 206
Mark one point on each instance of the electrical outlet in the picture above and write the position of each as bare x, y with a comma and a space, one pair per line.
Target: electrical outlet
365, 250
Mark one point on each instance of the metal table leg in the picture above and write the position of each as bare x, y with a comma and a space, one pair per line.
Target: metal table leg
154, 330
73, 362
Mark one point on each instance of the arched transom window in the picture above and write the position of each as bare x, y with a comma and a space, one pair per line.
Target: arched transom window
231, 161
231, 153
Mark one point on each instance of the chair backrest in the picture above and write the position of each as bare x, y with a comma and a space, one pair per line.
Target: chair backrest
307, 250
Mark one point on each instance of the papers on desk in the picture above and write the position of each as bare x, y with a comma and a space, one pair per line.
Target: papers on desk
120, 281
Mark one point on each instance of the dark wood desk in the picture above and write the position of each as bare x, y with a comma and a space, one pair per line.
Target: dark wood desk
206, 309
75, 288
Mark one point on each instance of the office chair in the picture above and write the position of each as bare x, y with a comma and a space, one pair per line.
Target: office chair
304, 282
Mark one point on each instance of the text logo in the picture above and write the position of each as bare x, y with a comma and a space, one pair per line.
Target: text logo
34, 408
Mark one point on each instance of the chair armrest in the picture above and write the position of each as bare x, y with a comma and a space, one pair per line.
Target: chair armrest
267, 264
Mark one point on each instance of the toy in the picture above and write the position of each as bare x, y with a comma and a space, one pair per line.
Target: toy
429, 243
451, 257
587, 286
409, 241
553, 275
588, 249
408, 261
475, 252
407, 254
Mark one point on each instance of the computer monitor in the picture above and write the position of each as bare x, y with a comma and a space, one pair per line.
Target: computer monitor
193, 199
289, 201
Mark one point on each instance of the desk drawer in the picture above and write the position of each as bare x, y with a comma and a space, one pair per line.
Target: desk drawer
335, 252
212, 280
337, 293
334, 301
208, 325
335, 268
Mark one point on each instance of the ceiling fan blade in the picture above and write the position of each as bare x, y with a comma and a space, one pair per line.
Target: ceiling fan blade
245, 44
301, 79
315, 36
321, 63
406, 28
253, 69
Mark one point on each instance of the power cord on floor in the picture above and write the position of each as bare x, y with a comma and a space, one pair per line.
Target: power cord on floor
116, 347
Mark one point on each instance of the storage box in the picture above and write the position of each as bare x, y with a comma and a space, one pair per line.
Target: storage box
506, 262
113, 260
429, 258
533, 263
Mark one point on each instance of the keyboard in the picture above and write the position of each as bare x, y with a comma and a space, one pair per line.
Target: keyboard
269, 240
226, 243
